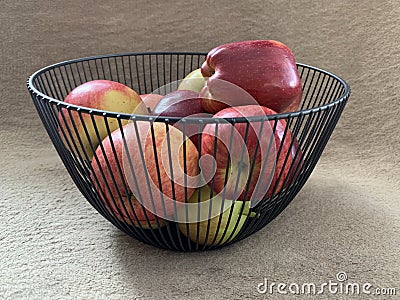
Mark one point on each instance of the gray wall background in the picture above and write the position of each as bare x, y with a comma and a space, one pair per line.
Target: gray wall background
346, 218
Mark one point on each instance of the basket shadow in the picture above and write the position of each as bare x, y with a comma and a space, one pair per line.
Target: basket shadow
286, 246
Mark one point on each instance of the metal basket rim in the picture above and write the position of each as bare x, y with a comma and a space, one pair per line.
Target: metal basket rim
31, 87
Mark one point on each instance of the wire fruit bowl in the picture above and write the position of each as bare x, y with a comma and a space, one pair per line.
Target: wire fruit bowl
222, 221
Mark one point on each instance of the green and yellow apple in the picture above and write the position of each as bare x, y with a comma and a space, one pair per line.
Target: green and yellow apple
218, 229
194, 81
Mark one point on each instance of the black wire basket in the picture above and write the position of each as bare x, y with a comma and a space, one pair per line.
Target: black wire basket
306, 131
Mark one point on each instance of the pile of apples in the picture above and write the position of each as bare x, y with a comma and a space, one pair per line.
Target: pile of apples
242, 79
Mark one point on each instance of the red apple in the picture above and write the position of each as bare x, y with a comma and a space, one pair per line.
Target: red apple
151, 100
297, 164
99, 94
117, 195
179, 103
122, 190
266, 167
182, 104
266, 69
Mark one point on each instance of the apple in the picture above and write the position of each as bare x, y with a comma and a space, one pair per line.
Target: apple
115, 172
194, 81
182, 104
266, 69
98, 94
179, 103
151, 100
216, 228
224, 94
266, 167
297, 164
114, 189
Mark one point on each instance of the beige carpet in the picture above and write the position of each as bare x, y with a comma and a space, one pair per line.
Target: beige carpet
54, 245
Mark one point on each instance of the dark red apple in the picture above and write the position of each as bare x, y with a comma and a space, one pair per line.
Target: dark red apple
266, 170
179, 103
182, 104
266, 69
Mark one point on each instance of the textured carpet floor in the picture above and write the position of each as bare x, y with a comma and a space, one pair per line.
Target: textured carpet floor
54, 245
